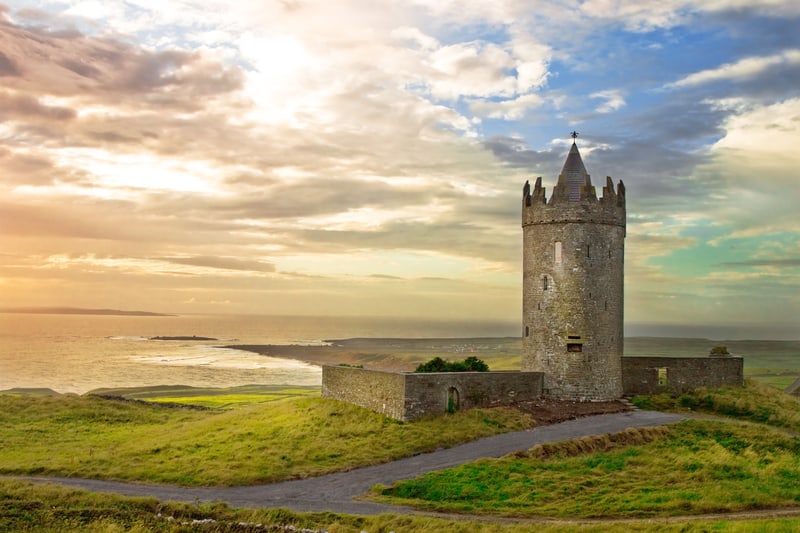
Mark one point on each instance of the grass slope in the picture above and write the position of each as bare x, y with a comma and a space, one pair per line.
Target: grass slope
25, 507
756, 402
698, 466
748, 463
266, 442
211, 397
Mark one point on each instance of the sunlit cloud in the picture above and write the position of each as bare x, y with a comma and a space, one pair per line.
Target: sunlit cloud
613, 100
368, 158
745, 68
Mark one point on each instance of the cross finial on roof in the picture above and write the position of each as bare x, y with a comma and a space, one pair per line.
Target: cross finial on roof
574, 135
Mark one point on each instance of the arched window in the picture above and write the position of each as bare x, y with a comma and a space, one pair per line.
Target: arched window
544, 283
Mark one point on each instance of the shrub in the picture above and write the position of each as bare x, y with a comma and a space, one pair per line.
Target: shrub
719, 350
437, 364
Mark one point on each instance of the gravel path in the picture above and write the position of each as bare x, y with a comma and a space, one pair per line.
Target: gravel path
336, 492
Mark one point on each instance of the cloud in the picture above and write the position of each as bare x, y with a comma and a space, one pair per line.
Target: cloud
638, 16
7, 66
614, 99
472, 69
318, 148
70, 64
792, 262
26, 107
757, 164
513, 109
222, 263
744, 69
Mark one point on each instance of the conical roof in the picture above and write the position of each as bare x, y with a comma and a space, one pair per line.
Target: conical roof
574, 174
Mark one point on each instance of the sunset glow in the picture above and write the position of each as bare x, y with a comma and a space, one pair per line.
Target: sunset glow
360, 158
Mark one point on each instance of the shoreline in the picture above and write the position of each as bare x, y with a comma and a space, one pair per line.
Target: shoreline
394, 354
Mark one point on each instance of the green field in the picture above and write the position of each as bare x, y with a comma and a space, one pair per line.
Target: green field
260, 443
773, 362
639, 480
212, 398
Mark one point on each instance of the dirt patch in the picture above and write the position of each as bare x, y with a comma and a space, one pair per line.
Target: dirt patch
547, 411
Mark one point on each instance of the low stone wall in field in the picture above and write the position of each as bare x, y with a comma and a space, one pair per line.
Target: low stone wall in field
382, 392
651, 375
408, 396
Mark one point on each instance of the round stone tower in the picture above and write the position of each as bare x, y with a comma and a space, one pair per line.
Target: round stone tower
572, 303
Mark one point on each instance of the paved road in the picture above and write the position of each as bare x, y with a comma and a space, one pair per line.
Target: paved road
336, 492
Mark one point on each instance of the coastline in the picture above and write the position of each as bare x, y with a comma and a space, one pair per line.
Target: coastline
395, 354
325, 355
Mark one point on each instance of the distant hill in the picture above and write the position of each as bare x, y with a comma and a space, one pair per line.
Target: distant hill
76, 311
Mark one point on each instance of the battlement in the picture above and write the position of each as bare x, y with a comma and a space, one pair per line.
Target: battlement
574, 203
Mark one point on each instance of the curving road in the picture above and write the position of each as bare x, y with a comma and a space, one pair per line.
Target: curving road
337, 492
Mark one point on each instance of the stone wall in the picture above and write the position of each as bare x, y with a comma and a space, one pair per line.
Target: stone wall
382, 392
434, 393
407, 396
650, 375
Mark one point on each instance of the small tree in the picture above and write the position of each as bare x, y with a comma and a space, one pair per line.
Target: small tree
473, 364
719, 350
437, 364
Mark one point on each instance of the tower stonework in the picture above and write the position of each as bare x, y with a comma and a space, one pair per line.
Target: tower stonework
573, 262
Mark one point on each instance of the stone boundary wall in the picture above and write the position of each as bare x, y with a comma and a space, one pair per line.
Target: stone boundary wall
651, 375
433, 393
382, 392
408, 396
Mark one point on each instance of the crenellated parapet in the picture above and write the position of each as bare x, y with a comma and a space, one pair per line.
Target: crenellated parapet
586, 207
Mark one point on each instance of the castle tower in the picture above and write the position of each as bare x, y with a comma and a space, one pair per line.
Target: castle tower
572, 303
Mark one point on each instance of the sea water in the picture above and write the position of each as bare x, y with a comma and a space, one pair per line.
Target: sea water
80, 353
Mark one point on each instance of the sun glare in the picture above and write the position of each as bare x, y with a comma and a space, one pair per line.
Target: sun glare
139, 171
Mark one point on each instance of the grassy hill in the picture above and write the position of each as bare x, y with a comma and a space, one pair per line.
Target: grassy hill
737, 457
260, 443
740, 455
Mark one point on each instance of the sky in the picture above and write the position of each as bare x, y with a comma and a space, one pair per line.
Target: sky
367, 157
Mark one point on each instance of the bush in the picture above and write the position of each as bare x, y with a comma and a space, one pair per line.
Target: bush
437, 364
719, 350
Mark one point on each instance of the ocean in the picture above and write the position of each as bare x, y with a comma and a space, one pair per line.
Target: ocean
79, 353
